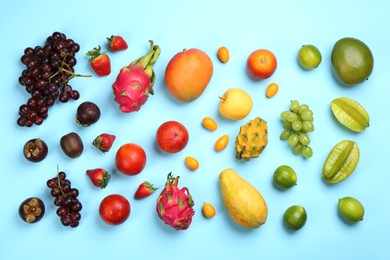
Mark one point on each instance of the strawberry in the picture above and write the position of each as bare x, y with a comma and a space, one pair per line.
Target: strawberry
104, 142
117, 43
99, 177
100, 62
144, 190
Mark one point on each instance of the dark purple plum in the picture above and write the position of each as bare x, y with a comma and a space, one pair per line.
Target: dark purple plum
88, 113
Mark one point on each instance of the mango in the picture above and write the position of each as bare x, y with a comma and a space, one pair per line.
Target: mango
242, 200
187, 74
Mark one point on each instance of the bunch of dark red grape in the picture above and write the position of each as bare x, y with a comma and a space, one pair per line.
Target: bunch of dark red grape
46, 77
69, 206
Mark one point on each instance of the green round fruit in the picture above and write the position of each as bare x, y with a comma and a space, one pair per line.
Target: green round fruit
351, 209
352, 61
284, 177
309, 57
295, 217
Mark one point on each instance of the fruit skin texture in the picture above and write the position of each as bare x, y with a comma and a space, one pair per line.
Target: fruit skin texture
87, 114
117, 43
103, 142
243, 201
284, 177
32, 210
261, 64
295, 217
221, 143
144, 190
208, 210
114, 209
175, 206
341, 162
351, 209
309, 57
72, 145
271, 90
130, 159
172, 137
252, 139
99, 61
209, 124
350, 114
135, 82
352, 61
235, 104
192, 163
99, 177
223, 54
188, 74
35, 150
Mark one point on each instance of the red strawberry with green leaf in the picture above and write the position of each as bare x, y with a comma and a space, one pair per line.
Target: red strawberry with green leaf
144, 190
117, 43
103, 142
99, 61
99, 177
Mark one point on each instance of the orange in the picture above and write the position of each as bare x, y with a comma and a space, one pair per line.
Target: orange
261, 64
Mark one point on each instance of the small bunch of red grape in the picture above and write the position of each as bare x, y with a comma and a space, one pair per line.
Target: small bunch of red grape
65, 198
46, 77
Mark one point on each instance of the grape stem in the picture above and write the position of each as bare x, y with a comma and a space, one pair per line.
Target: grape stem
59, 181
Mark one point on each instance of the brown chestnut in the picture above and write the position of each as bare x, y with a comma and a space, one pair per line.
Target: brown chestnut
31, 210
35, 150
88, 113
72, 145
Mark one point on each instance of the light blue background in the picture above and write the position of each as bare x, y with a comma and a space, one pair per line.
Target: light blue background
242, 26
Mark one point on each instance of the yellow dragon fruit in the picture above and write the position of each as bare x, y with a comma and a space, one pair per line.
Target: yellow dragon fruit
174, 205
134, 82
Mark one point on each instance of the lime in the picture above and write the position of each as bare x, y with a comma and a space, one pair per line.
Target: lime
352, 61
295, 217
284, 177
351, 209
309, 57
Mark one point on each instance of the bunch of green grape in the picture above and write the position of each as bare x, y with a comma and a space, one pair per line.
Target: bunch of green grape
297, 123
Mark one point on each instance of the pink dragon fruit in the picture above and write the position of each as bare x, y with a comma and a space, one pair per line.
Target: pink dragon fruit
135, 82
174, 205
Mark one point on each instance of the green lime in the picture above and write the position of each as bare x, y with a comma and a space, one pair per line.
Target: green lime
284, 177
351, 209
295, 217
309, 57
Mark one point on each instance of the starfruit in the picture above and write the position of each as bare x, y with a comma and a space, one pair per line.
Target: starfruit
341, 162
350, 114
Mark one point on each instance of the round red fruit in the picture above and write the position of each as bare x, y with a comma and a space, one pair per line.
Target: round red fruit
114, 209
172, 137
130, 159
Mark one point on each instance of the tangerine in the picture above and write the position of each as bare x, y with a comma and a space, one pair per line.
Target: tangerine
261, 64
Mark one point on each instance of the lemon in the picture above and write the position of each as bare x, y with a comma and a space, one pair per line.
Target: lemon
351, 209
309, 57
